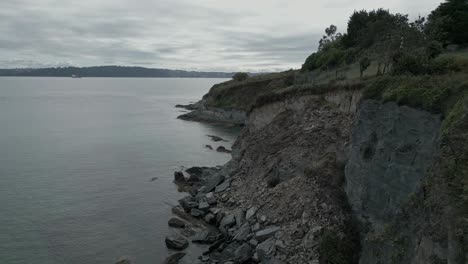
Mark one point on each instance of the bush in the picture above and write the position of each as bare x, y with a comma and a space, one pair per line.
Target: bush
240, 76
335, 250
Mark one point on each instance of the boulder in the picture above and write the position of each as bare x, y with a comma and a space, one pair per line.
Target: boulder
196, 213
215, 138
223, 186
268, 246
228, 221
239, 216
179, 177
243, 253
203, 205
188, 203
176, 242
214, 181
210, 218
251, 212
174, 258
223, 150
206, 237
123, 261
266, 233
243, 233
209, 147
176, 222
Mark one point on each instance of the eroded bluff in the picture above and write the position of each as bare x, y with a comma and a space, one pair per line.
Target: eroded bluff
340, 180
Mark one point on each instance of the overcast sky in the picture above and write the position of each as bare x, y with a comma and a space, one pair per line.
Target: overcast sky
254, 35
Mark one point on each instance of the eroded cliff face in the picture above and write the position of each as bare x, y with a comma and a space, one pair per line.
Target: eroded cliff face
341, 179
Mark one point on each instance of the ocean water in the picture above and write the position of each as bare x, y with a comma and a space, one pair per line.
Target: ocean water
76, 161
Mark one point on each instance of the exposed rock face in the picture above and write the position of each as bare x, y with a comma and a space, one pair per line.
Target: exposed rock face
392, 149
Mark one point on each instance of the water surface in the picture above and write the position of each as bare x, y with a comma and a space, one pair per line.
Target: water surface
76, 161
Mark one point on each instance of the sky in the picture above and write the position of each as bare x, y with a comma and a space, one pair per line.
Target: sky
204, 35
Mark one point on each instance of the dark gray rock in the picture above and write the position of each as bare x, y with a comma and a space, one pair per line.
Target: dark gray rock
209, 147
188, 203
123, 261
222, 149
251, 212
266, 233
223, 186
176, 242
210, 218
243, 253
214, 181
268, 246
203, 205
174, 258
176, 222
239, 216
179, 177
196, 213
206, 237
228, 221
215, 138
266, 259
242, 233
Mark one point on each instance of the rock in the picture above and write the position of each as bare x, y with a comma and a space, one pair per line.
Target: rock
256, 227
196, 213
263, 218
223, 150
215, 138
209, 147
174, 258
243, 233
253, 242
243, 253
266, 233
268, 246
206, 237
202, 189
223, 186
251, 212
179, 177
228, 221
123, 261
210, 218
212, 201
188, 203
154, 179
203, 205
176, 222
239, 215
265, 259
214, 181
176, 242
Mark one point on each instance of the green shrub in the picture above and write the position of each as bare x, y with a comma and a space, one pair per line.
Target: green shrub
240, 76
336, 250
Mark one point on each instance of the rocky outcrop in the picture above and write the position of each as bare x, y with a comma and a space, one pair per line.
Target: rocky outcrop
216, 115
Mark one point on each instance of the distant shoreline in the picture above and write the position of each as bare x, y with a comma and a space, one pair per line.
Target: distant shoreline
110, 72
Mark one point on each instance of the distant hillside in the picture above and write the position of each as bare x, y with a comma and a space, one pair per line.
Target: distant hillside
111, 71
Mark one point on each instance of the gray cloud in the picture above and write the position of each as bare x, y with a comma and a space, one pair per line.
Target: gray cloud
193, 35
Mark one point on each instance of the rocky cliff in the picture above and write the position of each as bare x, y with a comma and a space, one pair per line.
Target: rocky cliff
335, 177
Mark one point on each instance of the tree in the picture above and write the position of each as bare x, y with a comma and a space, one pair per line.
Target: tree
364, 63
448, 23
330, 37
240, 76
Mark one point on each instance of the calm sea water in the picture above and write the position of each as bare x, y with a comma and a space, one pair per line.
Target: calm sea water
76, 161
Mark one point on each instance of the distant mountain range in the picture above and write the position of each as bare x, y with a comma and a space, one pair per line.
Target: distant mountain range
111, 71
